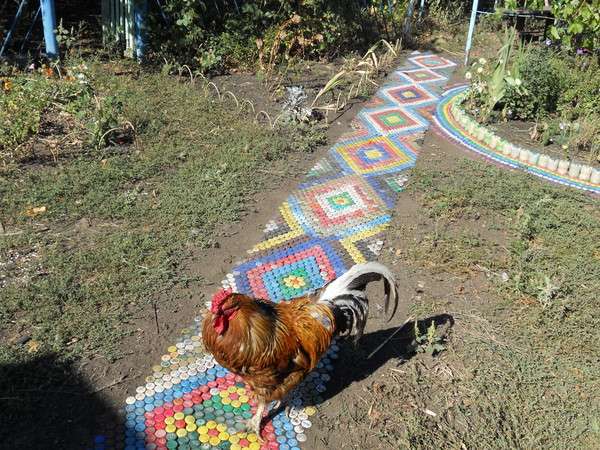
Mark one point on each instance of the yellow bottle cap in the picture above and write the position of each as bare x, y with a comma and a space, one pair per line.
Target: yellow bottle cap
224, 436
310, 410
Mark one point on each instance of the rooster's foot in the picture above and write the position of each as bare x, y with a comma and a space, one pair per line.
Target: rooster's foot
253, 426
276, 408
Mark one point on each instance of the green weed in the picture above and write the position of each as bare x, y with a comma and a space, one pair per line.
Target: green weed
429, 343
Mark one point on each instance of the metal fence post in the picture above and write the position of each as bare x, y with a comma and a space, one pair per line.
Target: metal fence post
8, 36
49, 21
140, 12
471, 30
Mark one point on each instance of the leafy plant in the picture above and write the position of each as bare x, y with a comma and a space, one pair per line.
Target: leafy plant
541, 79
578, 23
215, 36
63, 97
491, 88
429, 343
107, 118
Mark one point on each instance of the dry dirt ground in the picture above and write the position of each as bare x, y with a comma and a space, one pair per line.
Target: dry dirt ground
358, 396
157, 329
390, 399
362, 408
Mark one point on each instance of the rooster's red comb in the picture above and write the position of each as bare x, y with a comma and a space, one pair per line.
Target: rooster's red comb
218, 298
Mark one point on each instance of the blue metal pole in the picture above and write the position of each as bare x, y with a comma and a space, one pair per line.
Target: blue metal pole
421, 10
407, 20
49, 21
140, 12
8, 36
471, 30
37, 13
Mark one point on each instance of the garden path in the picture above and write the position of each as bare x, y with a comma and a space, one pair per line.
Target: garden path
335, 218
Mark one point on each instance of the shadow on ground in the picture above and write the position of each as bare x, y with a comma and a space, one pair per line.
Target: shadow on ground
46, 404
354, 365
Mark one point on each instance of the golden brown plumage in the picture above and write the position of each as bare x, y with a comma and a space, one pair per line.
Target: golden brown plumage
273, 346
270, 345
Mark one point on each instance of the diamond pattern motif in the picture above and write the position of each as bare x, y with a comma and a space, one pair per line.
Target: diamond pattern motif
335, 218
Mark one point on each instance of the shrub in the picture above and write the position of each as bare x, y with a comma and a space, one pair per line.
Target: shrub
581, 90
541, 79
214, 36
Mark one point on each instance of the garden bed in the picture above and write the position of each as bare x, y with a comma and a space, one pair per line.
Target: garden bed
459, 125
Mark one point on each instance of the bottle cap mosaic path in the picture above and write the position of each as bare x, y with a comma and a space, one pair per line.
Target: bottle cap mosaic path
453, 122
334, 219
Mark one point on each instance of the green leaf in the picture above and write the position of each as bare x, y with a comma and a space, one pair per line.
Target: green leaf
575, 28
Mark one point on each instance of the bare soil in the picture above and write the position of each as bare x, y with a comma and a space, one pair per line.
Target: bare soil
158, 328
357, 402
359, 411
519, 132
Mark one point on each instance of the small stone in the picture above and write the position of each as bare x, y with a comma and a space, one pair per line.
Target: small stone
83, 224
23, 340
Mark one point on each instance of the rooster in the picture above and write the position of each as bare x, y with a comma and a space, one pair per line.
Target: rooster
273, 346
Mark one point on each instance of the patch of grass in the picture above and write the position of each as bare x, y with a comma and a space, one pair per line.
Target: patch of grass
192, 169
521, 368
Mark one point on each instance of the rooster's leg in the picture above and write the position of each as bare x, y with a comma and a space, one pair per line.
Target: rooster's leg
254, 423
277, 408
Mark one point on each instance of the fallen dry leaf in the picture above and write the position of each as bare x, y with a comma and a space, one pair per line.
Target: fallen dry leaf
31, 212
33, 346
